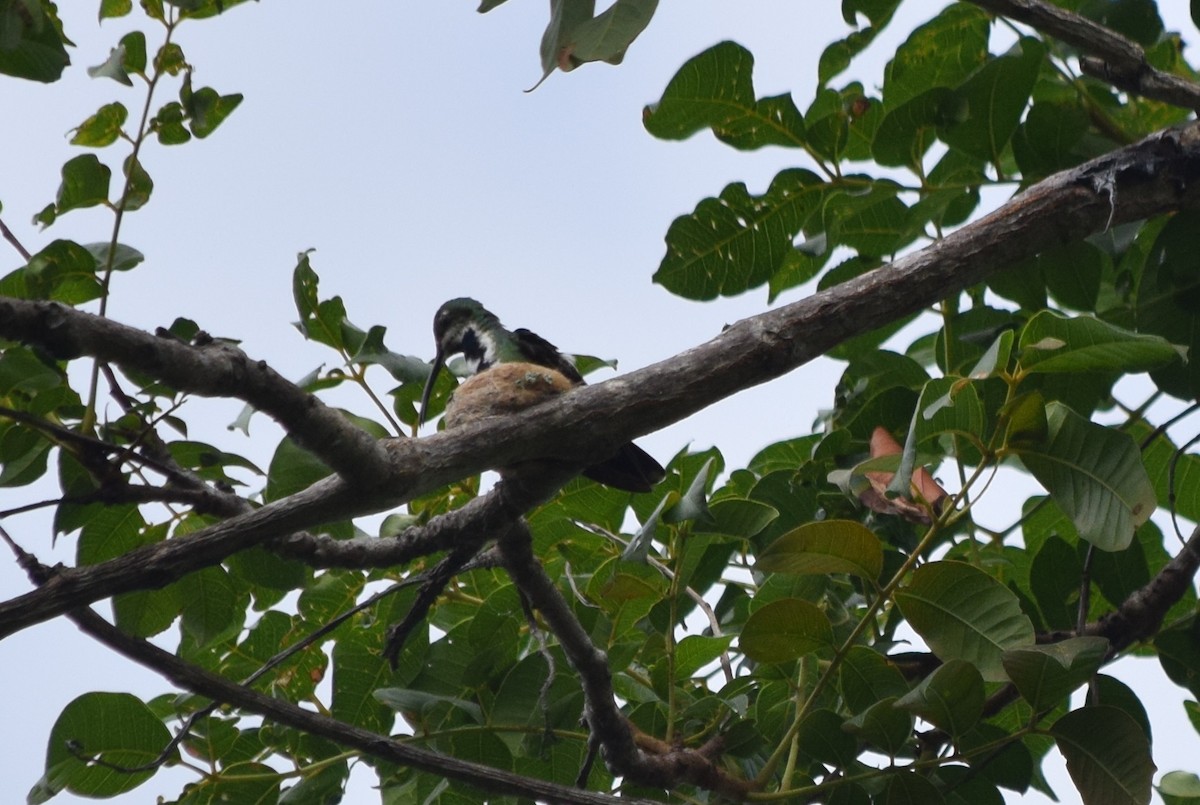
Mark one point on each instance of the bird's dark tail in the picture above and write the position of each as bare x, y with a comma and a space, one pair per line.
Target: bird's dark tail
631, 469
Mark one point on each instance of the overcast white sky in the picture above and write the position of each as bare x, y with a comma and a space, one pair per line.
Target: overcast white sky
395, 139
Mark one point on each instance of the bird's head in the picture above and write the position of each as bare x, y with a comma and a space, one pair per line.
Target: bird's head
460, 325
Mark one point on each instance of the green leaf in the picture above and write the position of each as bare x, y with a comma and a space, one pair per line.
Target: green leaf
883, 726
118, 728
1179, 788
556, 45
738, 517
940, 53
737, 241
168, 124
138, 185
1046, 674
951, 698
1178, 648
1094, 474
210, 605
84, 183
874, 222
609, 34
65, 271
639, 544
828, 546
249, 782
32, 42
1108, 755
693, 504
292, 468
867, 677
323, 321
123, 257
715, 90
1054, 343
102, 128
359, 676
907, 131
134, 45
995, 360
696, 651
995, 97
821, 737
910, 788
405, 700
113, 67
1049, 139
837, 56
785, 630
962, 786
963, 613
24, 455
115, 8
170, 59
207, 110
949, 405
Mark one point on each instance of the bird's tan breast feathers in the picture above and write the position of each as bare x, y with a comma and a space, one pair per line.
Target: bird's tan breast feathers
503, 389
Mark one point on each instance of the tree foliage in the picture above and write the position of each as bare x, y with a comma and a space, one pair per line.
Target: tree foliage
746, 637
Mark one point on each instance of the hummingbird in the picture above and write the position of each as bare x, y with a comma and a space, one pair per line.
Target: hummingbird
511, 370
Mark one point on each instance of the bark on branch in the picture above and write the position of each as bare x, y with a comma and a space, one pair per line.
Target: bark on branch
1108, 56
1151, 177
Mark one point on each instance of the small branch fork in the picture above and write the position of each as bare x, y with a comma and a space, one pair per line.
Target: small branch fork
1107, 55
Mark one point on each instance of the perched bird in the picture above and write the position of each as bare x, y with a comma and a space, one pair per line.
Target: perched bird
512, 370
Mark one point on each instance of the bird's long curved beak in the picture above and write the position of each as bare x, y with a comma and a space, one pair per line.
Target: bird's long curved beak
439, 360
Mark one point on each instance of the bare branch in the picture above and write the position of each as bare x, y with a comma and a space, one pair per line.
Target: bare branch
1113, 58
213, 370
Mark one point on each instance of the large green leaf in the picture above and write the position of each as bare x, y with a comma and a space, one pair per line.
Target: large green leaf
1094, 474
963, 613
737, 241
872, 221
1054, 343
117, 727
1108, 755
785, 630
883, 726
827, 546
85, 181
951, 698
715, 90
1179, 788
940, 53
31, 41
995, 97
1167, 299
609, 34
836, 56
867, 677
103, 128
1046, 674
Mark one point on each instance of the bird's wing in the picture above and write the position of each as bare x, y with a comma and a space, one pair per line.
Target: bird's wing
540, 351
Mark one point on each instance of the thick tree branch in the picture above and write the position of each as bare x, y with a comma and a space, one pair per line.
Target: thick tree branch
1154, 176
1141, 614
195, 679
1112, 57
212, 370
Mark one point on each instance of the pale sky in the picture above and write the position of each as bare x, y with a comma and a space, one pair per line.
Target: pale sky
396, 140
